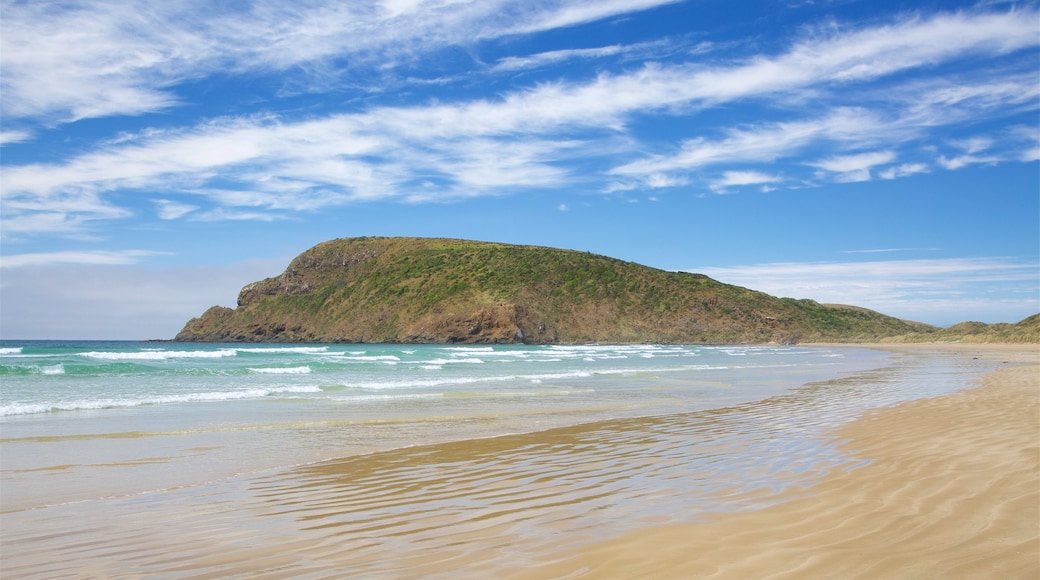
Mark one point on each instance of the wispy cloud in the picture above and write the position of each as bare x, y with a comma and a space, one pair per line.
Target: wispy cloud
13, 136
106, 57
268, 166
740, 178
936, 290
171, 210
517, 63
855, 167
764, 142
903, 170
91, 257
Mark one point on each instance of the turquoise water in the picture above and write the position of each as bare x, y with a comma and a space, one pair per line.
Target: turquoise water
176, 460
105, 419
59, 377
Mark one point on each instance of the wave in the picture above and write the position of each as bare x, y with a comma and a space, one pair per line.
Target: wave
373, 358
24, 369
52, 370
95, 404
11, 350
444, 361
470, 348
160, 354
390, 397
282, 370
421, 383
286, 350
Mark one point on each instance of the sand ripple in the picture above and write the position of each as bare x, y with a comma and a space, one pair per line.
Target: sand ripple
952, 490
527, 503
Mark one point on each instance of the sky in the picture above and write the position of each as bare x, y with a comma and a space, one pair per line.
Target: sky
157, 156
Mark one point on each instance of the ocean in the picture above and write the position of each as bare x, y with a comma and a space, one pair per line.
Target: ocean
187, 460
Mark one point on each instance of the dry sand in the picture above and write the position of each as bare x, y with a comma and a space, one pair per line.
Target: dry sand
952, 490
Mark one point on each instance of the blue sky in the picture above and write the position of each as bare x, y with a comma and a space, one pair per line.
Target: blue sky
157, 156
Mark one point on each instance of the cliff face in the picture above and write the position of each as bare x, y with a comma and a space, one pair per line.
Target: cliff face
453, 291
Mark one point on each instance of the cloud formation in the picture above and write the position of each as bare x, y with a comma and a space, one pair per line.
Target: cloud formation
857, 118
76, 60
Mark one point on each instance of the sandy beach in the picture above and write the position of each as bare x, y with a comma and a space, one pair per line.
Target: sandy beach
952, 490
922, 463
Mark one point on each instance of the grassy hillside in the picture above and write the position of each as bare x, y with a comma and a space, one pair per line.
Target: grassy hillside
443, 290
1025, 331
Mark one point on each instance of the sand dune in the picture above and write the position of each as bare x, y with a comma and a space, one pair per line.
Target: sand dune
952, 490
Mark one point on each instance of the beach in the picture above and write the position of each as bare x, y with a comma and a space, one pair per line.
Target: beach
817, 461
952, 490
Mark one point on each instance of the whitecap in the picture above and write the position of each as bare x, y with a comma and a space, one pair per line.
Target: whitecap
374, 358
282, 370
11, 350
442, 361
204, 397
286, 349
23, 409
52, 370
160, 354
481, 349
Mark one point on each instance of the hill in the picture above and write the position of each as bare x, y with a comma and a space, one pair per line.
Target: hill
421, 290
1025, 331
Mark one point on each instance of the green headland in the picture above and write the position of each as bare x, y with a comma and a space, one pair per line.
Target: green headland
426, 290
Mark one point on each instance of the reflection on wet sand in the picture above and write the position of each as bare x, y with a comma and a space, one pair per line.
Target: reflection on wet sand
479, 505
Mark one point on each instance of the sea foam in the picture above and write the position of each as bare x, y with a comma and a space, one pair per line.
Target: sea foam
113, 403
283, 371
161, 354
286, 350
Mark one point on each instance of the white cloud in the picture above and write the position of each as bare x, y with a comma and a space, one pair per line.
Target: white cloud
741, 178
848, 128
766, 142
513, 63
965, 160
974, 144
568, 14
1030, 155
938, 291
903, 170
80, 60
13, 136
94, 257
263, 167
516, 63
103, 58
855, 167
659, 180
171, 210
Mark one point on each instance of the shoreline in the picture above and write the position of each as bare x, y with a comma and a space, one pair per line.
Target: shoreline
951, 489
687, 494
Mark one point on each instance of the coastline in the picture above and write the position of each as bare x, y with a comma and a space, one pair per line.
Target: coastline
687, 494
952, 489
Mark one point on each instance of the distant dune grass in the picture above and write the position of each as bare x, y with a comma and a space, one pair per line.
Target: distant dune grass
1026, 331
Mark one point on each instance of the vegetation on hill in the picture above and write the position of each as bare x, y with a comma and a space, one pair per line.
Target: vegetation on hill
1025, 331
425, 290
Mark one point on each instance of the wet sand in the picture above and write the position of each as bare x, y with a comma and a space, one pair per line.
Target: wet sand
945, 486
952, 490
